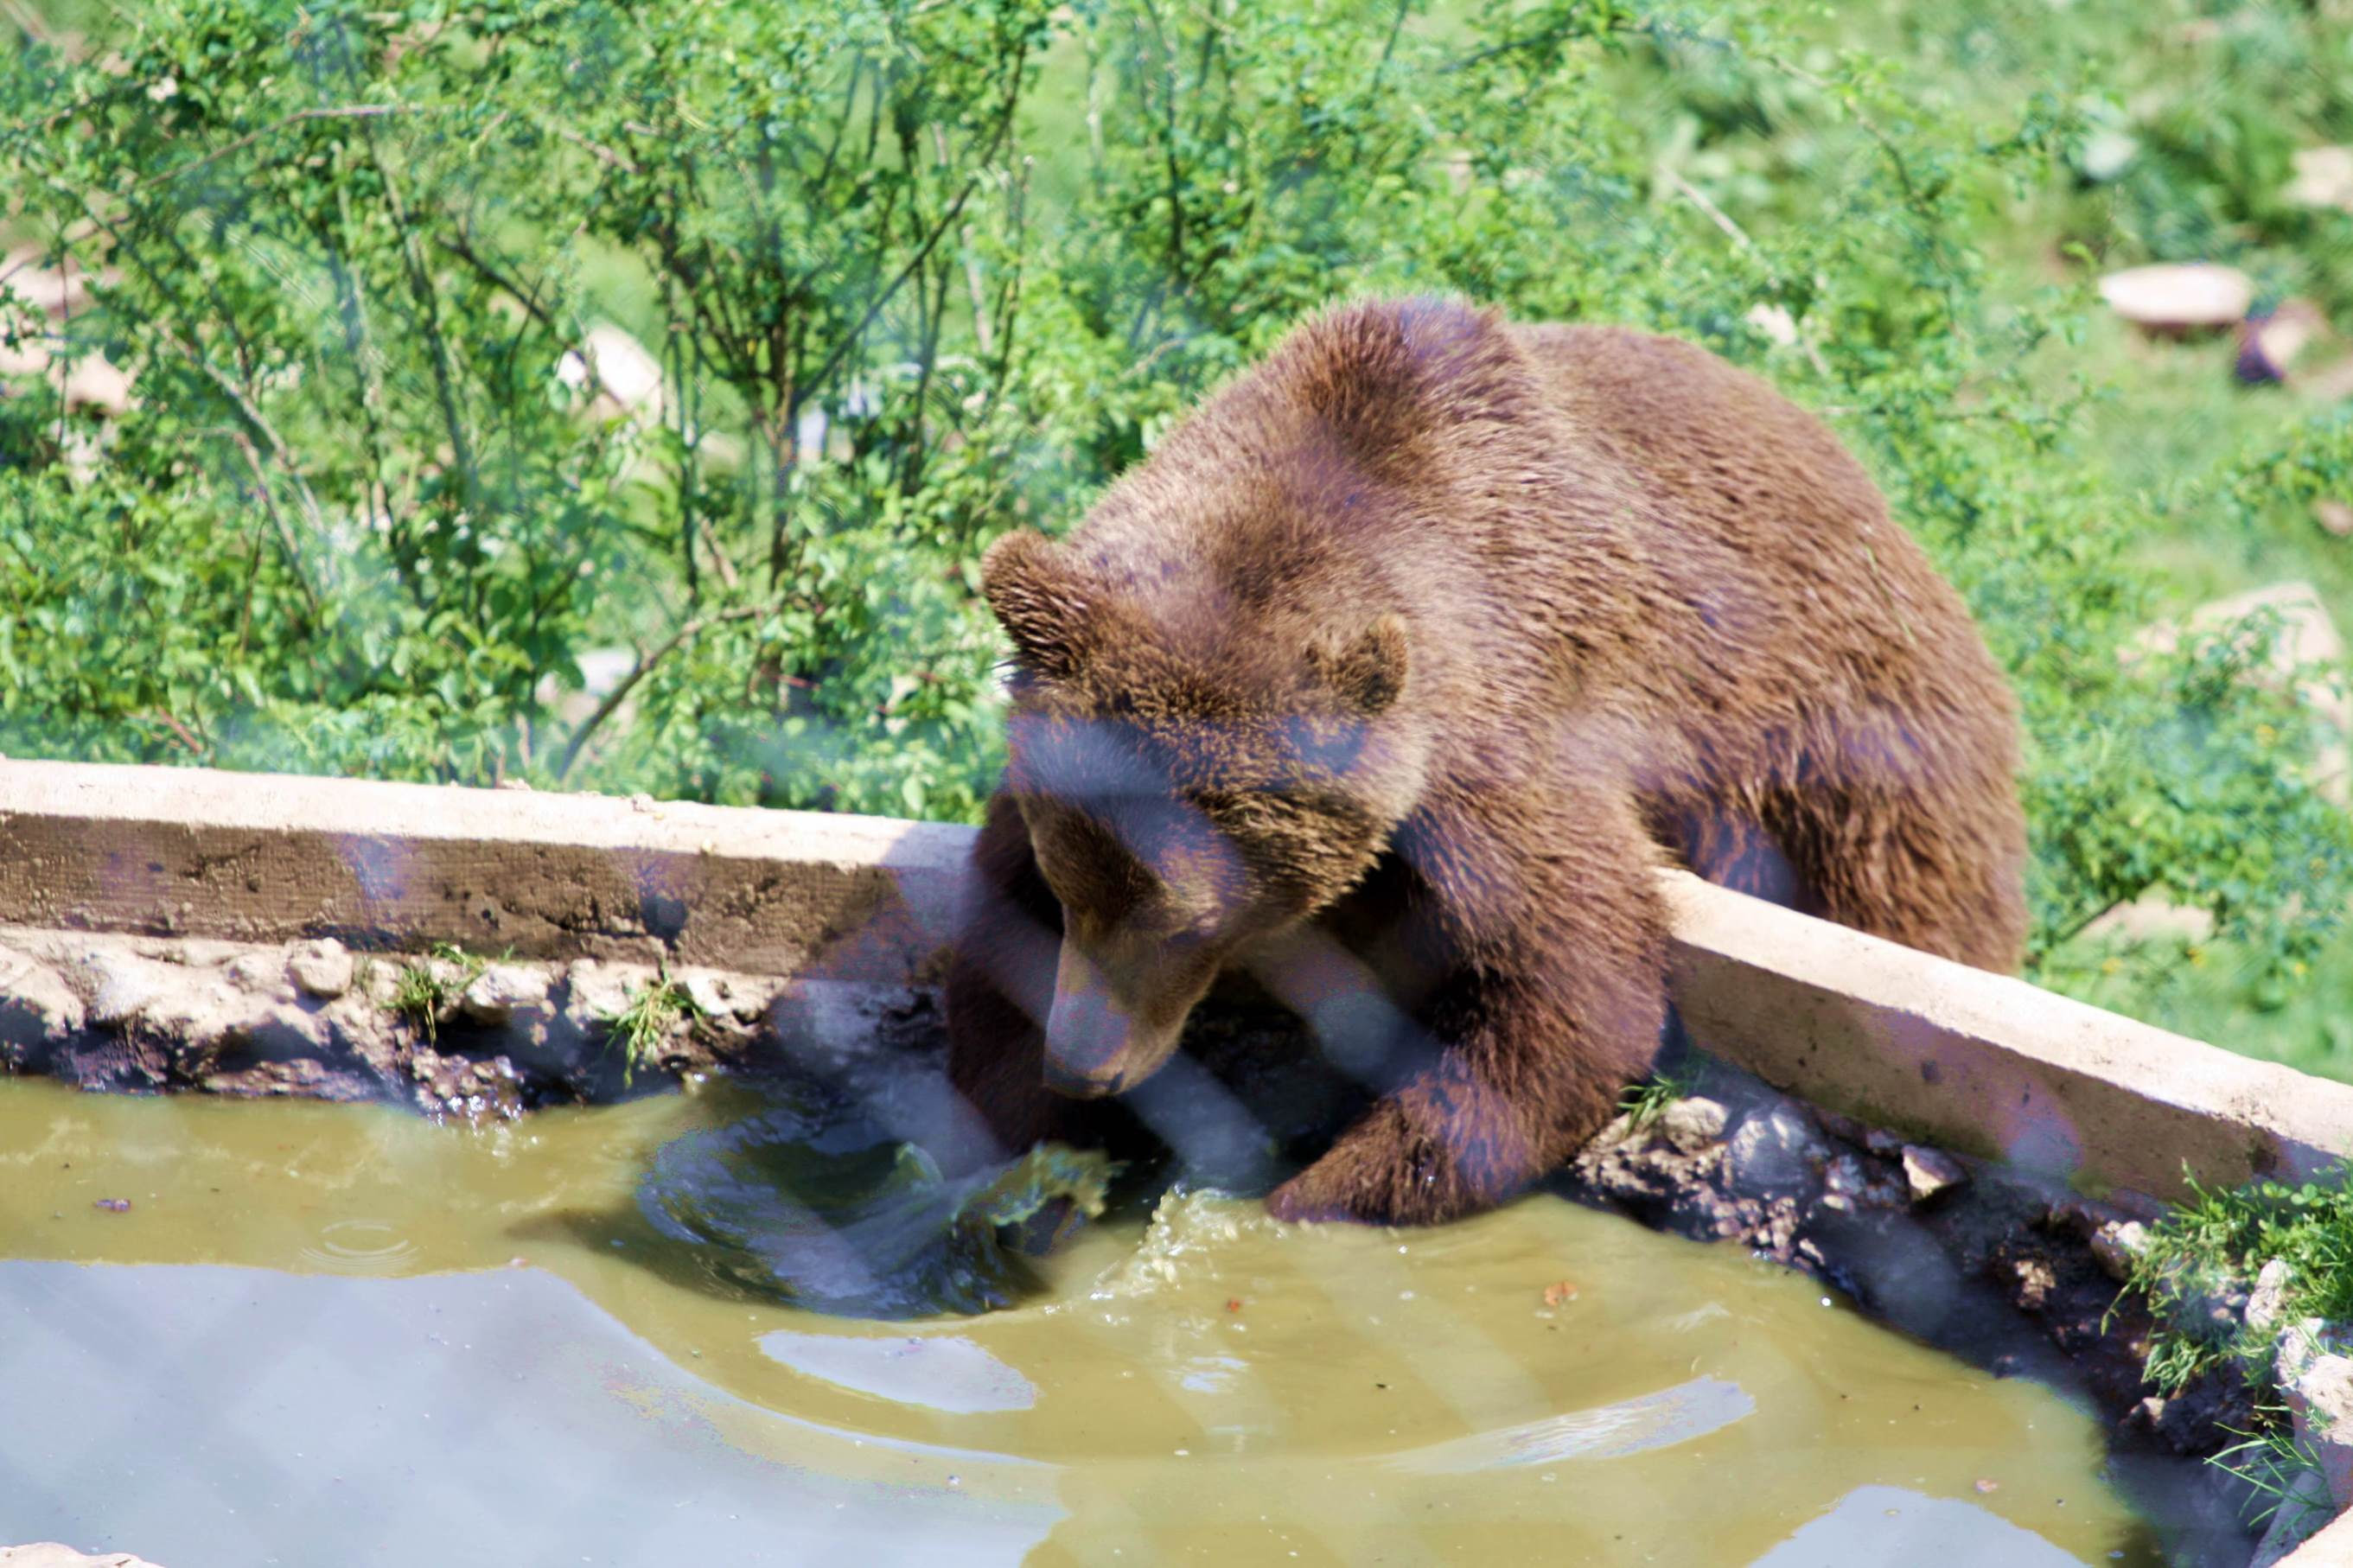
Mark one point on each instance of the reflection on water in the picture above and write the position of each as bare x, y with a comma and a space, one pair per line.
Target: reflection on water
458, 1347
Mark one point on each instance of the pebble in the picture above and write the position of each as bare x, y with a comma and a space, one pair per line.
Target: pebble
1931, 1173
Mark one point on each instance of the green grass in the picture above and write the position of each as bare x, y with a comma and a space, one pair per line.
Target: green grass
425, 989
2220, 1240
645, 1022
2279, 1470
1646, 1101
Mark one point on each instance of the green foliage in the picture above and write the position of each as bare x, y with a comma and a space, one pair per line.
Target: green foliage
2205, 1249
916, 272
643, 1022
1645, 1102
2282, 1472
426, 988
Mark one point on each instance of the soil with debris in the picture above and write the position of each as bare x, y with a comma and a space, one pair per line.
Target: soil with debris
450, 1035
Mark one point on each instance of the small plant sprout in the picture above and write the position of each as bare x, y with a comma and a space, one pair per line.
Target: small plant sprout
425, 988
644, 1022
1646, 1101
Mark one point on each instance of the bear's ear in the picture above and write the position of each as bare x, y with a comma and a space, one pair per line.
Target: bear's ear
1042, 605
1366, 671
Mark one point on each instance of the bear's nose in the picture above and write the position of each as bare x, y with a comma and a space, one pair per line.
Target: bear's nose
1086, 1035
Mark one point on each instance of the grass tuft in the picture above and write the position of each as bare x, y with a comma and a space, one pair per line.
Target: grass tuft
645, 1021
1645, 1102
424, 989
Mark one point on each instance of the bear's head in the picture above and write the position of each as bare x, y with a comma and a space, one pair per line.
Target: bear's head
1202, 762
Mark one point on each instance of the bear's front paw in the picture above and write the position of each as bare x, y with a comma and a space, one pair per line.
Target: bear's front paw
1382, 1175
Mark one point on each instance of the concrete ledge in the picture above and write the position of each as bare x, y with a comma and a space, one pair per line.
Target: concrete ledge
265, 858
1958, 1059
1984, 1063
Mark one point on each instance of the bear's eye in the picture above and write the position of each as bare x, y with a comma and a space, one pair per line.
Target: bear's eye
1089, 868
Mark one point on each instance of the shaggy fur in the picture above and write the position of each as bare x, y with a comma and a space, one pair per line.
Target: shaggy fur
1392, 674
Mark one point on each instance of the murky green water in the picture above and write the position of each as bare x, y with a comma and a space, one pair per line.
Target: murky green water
331, 1335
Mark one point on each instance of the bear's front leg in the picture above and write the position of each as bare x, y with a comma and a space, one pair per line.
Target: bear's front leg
1538, 915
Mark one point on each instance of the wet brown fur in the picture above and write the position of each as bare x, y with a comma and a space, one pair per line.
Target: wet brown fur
1512, 613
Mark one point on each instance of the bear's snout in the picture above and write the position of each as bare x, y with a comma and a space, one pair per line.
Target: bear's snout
1087, 1033
1097, 1043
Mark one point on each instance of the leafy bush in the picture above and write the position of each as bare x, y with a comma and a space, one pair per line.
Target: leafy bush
915, 272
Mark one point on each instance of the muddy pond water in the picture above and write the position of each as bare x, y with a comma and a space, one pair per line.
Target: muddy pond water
328, 1335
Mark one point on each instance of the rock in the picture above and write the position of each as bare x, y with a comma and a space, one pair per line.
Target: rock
1774, 323
38, 1008
261, 973
2174, 298
2268, 1299
2119, 1245
627, 380
1692, 1124
2323, 178
1776, 1149
118, 986
51, 1554
2334, 516
1931, 1173
322, 968
501, 991
92, 382
2320, 1399
56, 292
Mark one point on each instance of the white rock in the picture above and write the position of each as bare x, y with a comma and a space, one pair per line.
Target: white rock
36, 1006
1931, 1171
2179, 296
322, 968
2324, 178
2269, 1297
2320, 1398
626, 379
93, 383
56, 292
502, 990
1690, 1124
120, 986
1774, 323
2119, 1245
262, 973
1776, 1151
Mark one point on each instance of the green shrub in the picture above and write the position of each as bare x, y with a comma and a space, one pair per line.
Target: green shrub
915, 272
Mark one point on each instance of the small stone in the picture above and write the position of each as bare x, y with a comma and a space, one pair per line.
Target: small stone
523, 785
121, 987
1692, 1124
262, 973
2268, 1299
1882, 1142
322, 968
712, 995
1776, 1150
1931, 1173
2334, 516
2320, 1398
2119, 1245
501, 991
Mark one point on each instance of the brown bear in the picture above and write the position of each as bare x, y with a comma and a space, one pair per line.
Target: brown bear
1391, 677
